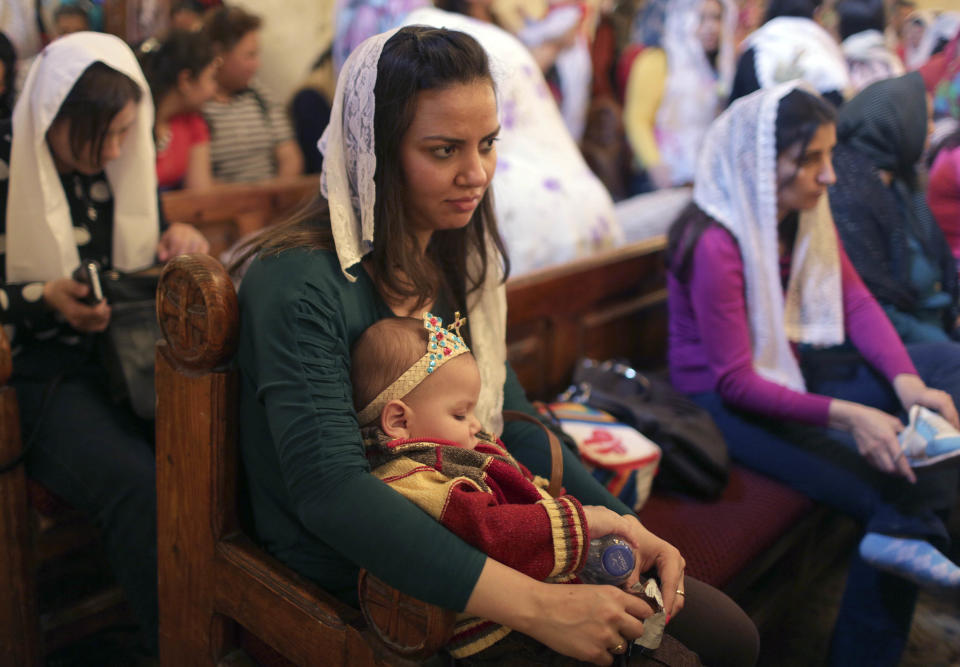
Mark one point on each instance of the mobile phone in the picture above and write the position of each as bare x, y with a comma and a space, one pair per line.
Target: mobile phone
88, 273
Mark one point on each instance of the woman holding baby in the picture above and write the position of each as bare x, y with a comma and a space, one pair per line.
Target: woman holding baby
405, 226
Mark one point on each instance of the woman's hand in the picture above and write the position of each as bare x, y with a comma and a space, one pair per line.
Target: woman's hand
650, 551
180, 239
64, 294
875, 433
581, 621
911, 391
586, 622
656, 553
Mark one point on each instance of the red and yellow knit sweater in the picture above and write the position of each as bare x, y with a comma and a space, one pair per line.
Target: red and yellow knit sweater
494, 503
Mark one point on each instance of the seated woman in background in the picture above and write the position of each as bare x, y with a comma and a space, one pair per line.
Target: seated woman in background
676, 88
181, 71
82, 185
862, 23
755, 268
250, 135
406, 225
943, 191
792, 45
926, 34
882, 214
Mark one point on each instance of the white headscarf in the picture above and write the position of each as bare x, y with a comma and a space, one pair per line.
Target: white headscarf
942, 26
736, 185
40, 240
693, 92
349, 163
790, 47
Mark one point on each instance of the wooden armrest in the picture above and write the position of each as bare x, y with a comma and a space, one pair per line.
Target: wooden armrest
6, 358
407, 626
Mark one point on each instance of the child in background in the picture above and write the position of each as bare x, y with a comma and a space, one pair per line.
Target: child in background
181, 71
419, 385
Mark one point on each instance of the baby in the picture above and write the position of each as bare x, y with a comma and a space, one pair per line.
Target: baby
390, 366
416, 386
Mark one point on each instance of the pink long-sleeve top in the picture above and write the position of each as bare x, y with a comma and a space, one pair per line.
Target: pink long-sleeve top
709, 338
943, 195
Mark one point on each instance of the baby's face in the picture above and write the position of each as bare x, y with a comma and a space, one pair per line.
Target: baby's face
442, 405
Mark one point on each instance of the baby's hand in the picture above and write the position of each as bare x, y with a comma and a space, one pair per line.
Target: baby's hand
604, 521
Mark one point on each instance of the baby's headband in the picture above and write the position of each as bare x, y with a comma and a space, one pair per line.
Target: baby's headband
443, 345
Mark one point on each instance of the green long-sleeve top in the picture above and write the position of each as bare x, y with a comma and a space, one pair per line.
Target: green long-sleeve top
315, 504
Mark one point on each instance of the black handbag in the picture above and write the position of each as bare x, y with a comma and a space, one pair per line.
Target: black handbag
695, 459
130, 340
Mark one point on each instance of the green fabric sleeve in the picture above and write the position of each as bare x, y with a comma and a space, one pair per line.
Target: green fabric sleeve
299, 321
528, 444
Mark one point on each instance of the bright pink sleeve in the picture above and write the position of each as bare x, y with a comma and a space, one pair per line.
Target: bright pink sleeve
717, 296
943, 195
868, 326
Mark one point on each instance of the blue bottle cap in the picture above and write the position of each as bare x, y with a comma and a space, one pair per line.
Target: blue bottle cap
618, 560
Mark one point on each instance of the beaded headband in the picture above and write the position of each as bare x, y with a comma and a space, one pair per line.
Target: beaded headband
443, 345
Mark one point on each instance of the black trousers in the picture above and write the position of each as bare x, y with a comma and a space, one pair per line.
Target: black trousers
710, 624
98, 456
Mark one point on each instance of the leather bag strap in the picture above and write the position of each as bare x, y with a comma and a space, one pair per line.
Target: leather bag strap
556, 454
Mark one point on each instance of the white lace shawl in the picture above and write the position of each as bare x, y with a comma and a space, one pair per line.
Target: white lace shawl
789, 47
346, 181
41, 244
693, 93
736, 185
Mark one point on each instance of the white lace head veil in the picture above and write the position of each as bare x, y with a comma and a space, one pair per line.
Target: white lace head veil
347, 182
41, 244
736, 185
693, 92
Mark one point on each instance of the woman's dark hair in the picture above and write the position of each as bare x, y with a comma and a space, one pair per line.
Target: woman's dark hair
64, 10
226, 26
860, 15
95, 99
8, 56
415, 59
454, 6
799, 115
800, 8
163, 61
194, 6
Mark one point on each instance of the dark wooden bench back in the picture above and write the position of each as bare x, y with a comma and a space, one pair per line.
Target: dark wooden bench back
229, 211
612, 304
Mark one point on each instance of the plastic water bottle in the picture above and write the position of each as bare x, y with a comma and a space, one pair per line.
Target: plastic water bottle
609, 561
